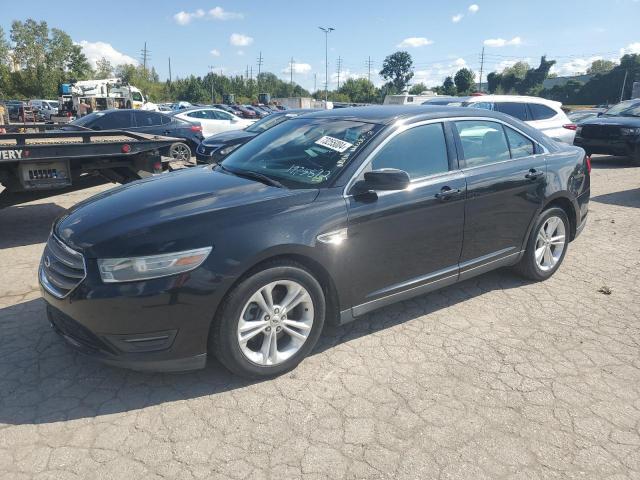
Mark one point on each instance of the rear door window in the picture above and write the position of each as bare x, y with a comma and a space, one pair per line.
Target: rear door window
541, 112
419, 151
519, 145
147, 119
517, 110
483, 142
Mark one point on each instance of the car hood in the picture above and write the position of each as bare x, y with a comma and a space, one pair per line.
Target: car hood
230, 136
621, 121
170, 212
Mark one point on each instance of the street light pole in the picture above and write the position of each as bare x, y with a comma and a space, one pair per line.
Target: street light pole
326, 31
211, 74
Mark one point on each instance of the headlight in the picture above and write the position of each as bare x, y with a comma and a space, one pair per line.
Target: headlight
114, 270
227, 150
630, 131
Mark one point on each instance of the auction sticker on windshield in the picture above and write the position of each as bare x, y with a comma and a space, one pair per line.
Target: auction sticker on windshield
334, 143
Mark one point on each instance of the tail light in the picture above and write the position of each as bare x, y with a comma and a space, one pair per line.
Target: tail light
126, 148
570, 126
196, 128
588, 162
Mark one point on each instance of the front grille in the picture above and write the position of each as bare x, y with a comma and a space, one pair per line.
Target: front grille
204, 150
61, 268
600, 131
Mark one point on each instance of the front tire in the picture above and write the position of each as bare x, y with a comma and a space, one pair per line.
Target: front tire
547, 245
269, 322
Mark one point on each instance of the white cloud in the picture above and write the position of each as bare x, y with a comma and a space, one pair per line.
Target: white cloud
298, 68
219, 13
94, 51
436, 75
346, 75
630, 49
473, 8
240, 40
576, 66
414, 42
457, 18
240, 52
216, 13
501, 42
215, 52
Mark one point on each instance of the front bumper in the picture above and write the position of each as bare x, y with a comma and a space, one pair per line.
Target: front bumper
155, 325
608, 147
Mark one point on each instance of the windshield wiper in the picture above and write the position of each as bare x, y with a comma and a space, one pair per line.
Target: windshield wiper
253, 176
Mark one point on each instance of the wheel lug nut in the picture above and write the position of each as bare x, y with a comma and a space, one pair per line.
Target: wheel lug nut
277, 310
267, 317
268, 329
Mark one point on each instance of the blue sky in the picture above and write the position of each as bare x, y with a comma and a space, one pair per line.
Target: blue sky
442, 36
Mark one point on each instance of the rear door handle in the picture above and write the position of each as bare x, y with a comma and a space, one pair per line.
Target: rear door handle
446, 193
533, 174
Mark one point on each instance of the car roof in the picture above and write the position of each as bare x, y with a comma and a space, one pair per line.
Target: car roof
192, 109
387, 114
514, 98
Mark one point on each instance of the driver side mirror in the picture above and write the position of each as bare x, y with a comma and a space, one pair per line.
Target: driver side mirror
384, 179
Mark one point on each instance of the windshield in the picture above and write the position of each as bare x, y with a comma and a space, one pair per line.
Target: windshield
630, 108
303, 152
137, 97
266, 123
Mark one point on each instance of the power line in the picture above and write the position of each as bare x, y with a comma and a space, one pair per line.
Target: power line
481, 68
291, 67
169, 69
259, 68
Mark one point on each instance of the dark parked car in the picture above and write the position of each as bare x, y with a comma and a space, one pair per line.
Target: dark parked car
214, 148
578, 116
614, 132
258, 111
145, 121
322, 218
243, 112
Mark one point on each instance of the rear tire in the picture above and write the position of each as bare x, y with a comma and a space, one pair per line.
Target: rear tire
547, 245
292, 316
180, 151
635, 158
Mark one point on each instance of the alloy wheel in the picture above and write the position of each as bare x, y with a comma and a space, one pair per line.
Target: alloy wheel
275, 322
181, 152
550, 243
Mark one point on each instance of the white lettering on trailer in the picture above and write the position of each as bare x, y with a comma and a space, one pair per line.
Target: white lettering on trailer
10, 154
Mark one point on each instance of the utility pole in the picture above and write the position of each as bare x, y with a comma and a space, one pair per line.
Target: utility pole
624, 84
369, 64
315, 78
338, 67
291, 66
481, 68
169, 69
247, 73
326, 31
146, 55
211, 75
259, 68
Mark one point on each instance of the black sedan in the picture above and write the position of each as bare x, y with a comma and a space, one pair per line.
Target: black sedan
614, 132
322, 218
214, 148
144, 121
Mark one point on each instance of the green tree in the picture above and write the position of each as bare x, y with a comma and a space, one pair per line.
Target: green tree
464, 80
448, 86
358, 90
493, 81
418, 88
600, 67
397, 69
518, 70
104, 69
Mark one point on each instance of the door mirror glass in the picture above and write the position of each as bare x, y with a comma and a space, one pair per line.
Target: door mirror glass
383, 179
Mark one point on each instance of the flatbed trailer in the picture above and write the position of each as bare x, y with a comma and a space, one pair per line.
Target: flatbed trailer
40, 164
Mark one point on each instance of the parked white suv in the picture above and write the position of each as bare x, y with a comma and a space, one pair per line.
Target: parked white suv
213, 120
545, 115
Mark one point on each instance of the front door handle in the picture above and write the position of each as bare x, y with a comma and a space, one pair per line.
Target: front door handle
533, 174
446, 193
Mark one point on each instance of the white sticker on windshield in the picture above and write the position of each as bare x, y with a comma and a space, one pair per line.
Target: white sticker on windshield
334, 143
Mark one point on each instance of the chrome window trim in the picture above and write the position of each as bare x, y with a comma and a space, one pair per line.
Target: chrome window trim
405, 127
